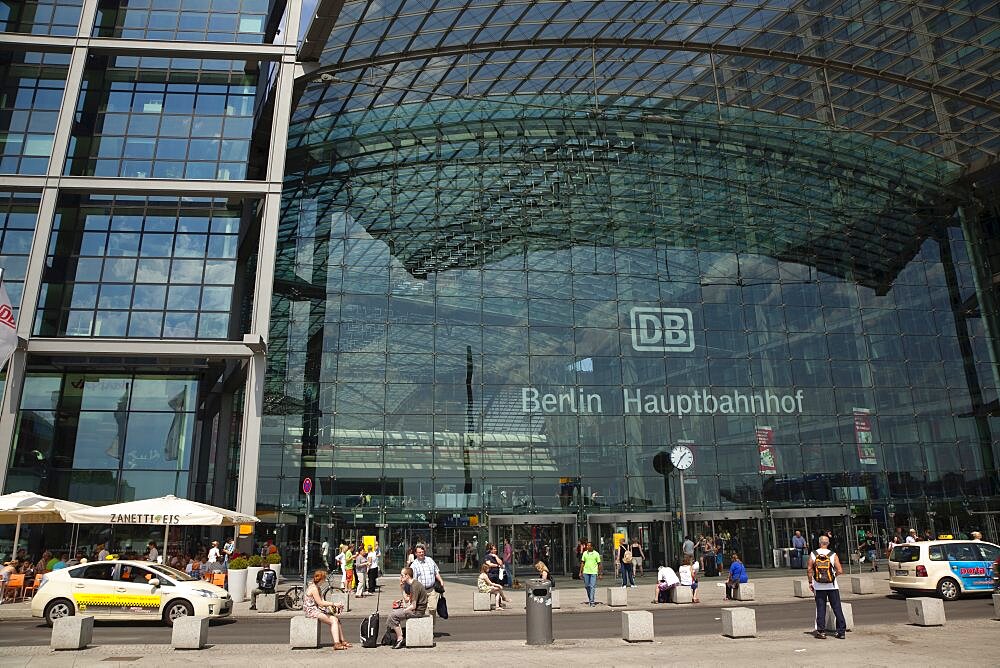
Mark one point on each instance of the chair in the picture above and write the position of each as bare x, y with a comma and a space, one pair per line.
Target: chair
219, 579
32, 588
16, 583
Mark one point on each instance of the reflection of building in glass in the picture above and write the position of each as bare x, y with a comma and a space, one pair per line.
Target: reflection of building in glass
519, 250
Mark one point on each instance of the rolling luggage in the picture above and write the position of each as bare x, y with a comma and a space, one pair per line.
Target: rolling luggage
369, 629
795, 561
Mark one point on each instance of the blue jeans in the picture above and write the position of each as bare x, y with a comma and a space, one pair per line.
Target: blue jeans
590, 582
833, 596
628, 578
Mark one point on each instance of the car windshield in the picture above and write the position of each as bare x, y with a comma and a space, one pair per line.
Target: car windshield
173, 572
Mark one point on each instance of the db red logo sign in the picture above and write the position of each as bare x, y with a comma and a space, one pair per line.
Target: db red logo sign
7, 316
972, 571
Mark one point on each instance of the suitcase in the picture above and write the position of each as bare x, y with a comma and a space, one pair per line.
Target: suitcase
711, 569
795, 561
369, 627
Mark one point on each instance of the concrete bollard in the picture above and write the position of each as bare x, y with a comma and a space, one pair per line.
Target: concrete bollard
268, 603
996, 606
482, 601
745, 592
923, 611
617, 597
637, 626
303, 633
75, 632
420, 632
801, 589
189, 633
681, 594
831, 619
739, 622
862, 585
341, 598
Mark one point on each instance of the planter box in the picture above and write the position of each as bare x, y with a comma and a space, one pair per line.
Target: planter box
238, 584
251, 582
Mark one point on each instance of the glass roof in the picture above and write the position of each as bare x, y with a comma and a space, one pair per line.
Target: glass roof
919, 74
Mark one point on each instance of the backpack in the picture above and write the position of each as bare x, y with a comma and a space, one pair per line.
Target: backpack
627, 557
268, 581
823, 570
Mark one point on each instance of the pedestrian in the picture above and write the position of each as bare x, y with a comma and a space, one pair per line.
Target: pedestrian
214, 555
374, 559
349, 565
666, 580
419, 602
361, 571
581, 547
624, 559
475, 552
467, 554
325, 553
153, 554
315, 607
912, 536
102, 553
638, 556
267, 583
824, 568
228, 550
737, 576
340, 561
799, 546
590, 571
426, 572
508, 560
688, 576
687, 547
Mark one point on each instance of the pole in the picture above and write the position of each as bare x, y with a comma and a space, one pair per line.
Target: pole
166, 542
684, 512
305, 548
17, 537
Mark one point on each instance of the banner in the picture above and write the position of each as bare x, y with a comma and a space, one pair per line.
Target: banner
863, 436
765, 447
8, 328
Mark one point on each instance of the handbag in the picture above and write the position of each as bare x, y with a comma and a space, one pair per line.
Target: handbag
442, 608
503, 573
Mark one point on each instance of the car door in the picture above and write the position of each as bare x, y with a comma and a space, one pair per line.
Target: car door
137, 599
989, 553
93, 588
965, 561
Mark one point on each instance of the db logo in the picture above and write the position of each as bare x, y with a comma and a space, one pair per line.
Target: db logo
7, 316
662, 329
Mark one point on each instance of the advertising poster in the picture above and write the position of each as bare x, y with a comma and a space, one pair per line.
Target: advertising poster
765, 446
863, 436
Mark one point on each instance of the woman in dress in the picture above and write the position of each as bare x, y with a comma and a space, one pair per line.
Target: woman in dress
495, 564
314, 607
487, 586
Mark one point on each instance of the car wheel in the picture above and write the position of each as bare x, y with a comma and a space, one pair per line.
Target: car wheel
57, 609
175, 610
948, 589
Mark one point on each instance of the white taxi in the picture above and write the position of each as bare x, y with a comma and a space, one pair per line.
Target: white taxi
949, 567
127, 590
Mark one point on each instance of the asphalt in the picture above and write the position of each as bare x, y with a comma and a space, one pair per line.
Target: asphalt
690, 620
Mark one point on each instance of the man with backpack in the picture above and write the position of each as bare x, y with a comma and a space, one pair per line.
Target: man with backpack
267, 583
824, 568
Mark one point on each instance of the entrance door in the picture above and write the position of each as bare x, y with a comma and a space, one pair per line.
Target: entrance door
548, 538
742, 537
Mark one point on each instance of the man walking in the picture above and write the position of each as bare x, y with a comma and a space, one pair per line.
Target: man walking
590, 571
687, 547
824, 568
799, 545
325, 547
416, 608
426, 572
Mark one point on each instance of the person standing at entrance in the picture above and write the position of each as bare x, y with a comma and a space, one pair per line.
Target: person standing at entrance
799, 547
824, 568
625, 564
508, 559
374, 559
637, 557
325, 548
590, 571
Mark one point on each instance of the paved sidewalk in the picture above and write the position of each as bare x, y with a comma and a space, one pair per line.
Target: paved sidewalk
772, 589
961, 643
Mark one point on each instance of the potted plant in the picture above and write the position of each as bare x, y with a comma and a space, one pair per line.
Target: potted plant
275, 561
237, 580
254, 566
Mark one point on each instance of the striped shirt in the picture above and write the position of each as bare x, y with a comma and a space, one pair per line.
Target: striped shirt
425, 571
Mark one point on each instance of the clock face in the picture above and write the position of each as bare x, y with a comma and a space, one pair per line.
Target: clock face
681, 457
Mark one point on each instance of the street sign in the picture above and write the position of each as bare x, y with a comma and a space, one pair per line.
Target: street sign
307, 485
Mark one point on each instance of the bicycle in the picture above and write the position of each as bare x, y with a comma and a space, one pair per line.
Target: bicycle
294, 594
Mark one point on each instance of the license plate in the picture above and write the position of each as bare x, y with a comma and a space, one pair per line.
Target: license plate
901, 573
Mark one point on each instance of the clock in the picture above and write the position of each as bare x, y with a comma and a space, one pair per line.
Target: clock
681, 457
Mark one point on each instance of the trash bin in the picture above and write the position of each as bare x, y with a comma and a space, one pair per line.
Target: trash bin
538, 609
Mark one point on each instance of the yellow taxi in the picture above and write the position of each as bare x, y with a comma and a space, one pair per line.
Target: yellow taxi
127, 590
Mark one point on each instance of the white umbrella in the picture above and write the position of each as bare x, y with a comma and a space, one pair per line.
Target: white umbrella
30, 508
165, 511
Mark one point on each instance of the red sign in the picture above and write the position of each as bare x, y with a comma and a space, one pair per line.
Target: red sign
863, 436
307, 485
765, 446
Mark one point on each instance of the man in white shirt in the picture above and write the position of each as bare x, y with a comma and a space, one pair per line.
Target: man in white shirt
824, 569
912, 536
103, 554
326, 553
153, 554
373, 561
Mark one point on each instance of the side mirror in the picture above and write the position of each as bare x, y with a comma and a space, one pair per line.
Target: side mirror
155, 582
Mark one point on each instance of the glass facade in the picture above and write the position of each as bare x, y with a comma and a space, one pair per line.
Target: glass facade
31, 90
187, 20
41, 17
